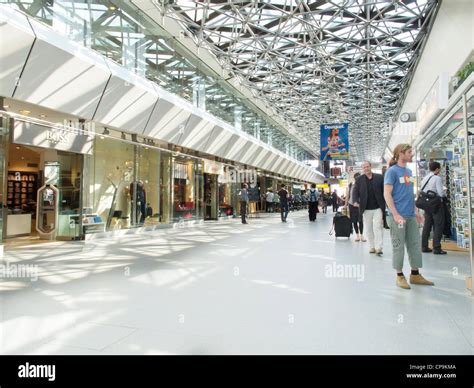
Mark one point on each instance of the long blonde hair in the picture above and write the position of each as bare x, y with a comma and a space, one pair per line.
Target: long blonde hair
403, 147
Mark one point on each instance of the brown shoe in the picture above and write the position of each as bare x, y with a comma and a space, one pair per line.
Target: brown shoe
402, 282
418, 279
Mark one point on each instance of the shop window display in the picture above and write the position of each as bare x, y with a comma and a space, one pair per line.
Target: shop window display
122, 184
185, 204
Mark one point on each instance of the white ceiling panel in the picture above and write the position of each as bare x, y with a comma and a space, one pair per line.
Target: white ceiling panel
167, 122
269, 162
62, 75
16, 39
276, 164
237, 146
196, 133
260, 156
219, 141
250, 154
127, 102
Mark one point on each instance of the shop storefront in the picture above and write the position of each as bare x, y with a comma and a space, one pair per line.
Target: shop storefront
68, 183
450, 141
125, 186
41, 175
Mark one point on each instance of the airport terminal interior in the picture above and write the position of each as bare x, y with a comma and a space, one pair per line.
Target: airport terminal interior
212, 177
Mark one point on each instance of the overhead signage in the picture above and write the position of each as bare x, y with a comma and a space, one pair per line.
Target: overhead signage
334, 141
212, 167
58, 138
435, 101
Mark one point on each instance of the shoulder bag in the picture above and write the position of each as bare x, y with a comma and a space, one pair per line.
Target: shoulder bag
429, 201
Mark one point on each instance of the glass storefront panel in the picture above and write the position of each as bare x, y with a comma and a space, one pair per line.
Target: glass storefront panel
226, 205
148, 176
69, 186
188, 189
4, 123
165, 188
108, 174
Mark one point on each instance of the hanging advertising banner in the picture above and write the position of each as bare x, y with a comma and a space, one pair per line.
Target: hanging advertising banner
335, 141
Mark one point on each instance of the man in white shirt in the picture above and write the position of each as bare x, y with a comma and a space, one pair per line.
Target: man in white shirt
435, 221
269, 199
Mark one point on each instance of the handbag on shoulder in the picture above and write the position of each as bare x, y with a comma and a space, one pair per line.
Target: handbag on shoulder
428, 201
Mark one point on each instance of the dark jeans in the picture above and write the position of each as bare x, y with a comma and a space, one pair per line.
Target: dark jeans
243, 211
269, 207
435, 221
356, 219
284, 211
334, 208
313, 208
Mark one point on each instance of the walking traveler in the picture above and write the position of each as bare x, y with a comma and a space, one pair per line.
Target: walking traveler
313, 203
269, 201
283, 194
354, 212
403, 217
368, 196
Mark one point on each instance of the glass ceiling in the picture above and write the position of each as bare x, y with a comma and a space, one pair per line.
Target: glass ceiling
318, 61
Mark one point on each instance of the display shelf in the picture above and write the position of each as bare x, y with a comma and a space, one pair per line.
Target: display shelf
458, 188
21, 191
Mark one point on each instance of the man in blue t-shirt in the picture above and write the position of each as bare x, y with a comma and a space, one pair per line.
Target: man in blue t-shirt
403, 216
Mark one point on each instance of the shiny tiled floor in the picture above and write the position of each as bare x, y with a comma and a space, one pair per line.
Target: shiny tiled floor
228, 288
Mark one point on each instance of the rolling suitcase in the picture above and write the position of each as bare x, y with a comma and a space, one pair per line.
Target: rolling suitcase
342, 226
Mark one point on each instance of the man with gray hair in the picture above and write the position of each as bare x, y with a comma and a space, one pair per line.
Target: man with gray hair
368, 197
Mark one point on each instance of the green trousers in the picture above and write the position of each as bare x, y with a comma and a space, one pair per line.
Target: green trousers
408, 236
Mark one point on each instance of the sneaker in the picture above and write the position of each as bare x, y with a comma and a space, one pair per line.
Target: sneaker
379, 252
357, 238
402, 282
439, 252
363, 239
372, 250
427, 250
418, 279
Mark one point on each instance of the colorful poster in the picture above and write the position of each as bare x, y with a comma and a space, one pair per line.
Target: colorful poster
335, 141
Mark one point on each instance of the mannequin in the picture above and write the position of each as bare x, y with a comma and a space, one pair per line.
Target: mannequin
140, 207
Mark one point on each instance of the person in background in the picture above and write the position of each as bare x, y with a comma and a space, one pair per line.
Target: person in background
335, 201
436, 220
385, 224
368, 196
325, 202
354, 212
269, 200
313, 203
283, 194
403, 217
244, 200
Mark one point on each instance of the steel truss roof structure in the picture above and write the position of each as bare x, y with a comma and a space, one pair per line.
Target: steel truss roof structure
318, 61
